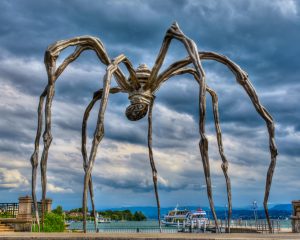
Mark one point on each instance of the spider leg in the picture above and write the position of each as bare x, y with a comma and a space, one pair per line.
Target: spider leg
224, 165
273, 149
152, 163
175, 32
99, 131
243, 79
87, 43
51, 55
97, 96
35, 156
84, 153
47, 136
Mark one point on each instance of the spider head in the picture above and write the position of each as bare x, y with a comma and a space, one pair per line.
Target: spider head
140, 98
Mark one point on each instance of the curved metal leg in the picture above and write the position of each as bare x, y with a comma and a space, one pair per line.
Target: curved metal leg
47, 137
243, 79
174, 32
84, 153
97, 96
98, 135
273, 149
214, 98
99, 131
51, 55
35, 156
152, 163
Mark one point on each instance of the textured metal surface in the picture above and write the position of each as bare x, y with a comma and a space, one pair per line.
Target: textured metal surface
140, 87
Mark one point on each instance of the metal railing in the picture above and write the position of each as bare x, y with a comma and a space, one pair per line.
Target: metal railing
39, 209
260, 225
9, 210
237, 226
137, 230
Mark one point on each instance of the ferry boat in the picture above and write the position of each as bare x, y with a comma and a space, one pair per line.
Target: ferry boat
101, 219
198, 217
104, 220
185, 217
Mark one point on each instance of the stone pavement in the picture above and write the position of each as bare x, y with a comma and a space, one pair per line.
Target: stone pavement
121, 236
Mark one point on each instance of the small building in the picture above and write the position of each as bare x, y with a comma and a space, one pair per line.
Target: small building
296, 216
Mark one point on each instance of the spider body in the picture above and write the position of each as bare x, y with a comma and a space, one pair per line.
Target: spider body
140, 98
140, 86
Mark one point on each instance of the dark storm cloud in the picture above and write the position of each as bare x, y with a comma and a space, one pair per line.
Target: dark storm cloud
262, 37
63, 20
9, 147
182, 95
120, 23
289, 148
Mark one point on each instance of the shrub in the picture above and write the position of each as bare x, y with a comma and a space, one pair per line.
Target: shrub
58, 210
53, 223
139, 216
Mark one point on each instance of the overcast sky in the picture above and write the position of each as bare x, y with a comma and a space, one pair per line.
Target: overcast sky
261, 36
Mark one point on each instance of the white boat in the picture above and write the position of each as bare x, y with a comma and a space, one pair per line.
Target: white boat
104, 220
175, 217
198, 217
101, 219
185, 217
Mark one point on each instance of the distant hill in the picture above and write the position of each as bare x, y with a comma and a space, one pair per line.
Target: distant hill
151, 212
282, 207
279, 211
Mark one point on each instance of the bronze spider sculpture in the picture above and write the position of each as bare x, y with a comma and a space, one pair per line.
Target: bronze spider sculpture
141, 87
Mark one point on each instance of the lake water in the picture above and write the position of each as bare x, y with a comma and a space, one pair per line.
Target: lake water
123, 226
150, 226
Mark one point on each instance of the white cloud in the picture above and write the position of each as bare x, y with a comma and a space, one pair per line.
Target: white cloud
122, 164
12, 179
55, 189
288, 8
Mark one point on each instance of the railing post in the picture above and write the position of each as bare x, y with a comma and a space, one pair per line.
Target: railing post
48, 205
24, 211
24, 217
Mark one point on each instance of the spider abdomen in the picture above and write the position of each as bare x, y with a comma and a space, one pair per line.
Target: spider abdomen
136, 111
139, 102
140, 98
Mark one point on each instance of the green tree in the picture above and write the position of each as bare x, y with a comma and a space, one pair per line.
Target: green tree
53, 223
123, 215
139, 216
58, 210
78, 210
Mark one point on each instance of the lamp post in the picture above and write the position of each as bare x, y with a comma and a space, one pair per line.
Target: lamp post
254, 204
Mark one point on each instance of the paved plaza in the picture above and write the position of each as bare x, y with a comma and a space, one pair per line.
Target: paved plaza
236, 236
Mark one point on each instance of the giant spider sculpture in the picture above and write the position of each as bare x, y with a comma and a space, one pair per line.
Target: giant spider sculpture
141, 87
